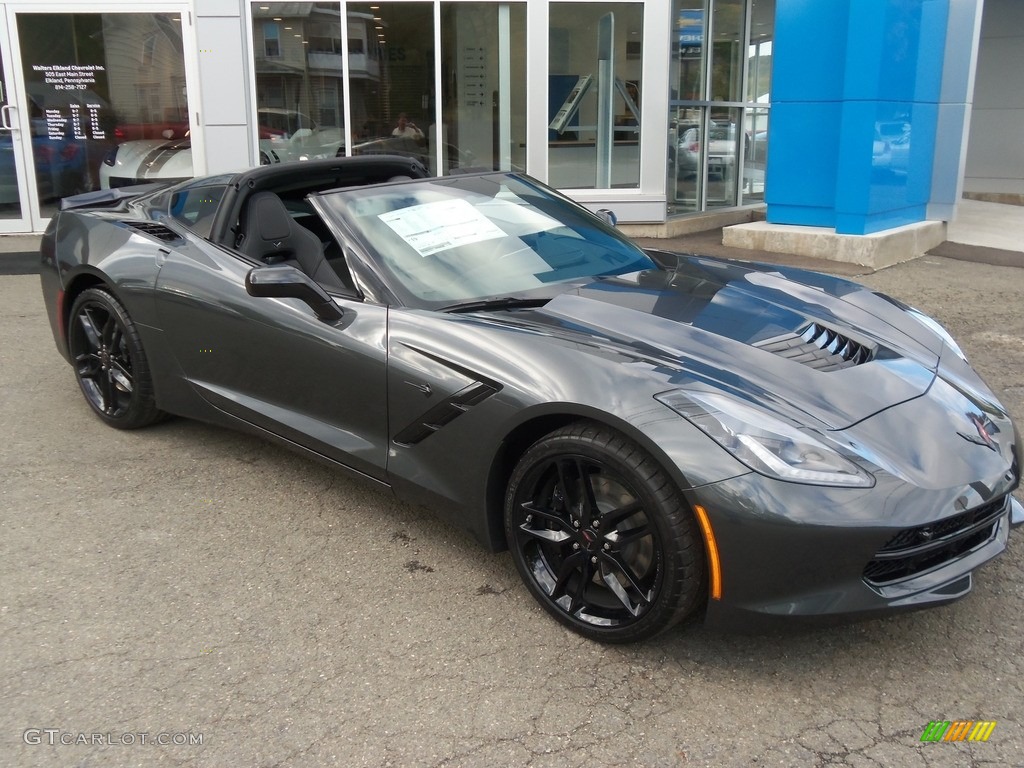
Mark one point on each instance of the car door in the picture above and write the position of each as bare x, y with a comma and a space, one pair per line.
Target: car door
271, 362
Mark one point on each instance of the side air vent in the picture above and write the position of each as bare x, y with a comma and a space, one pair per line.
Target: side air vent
151, 228
818, 347
443, 413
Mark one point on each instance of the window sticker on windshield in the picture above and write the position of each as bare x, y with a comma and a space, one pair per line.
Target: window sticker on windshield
433, 227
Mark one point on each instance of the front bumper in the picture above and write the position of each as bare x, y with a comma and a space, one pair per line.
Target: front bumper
795, 551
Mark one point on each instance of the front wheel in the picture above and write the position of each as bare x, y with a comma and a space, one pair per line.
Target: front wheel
602, 537
109, 361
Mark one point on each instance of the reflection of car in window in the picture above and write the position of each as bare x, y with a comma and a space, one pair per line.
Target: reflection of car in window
285, 135
721, 150
59, 160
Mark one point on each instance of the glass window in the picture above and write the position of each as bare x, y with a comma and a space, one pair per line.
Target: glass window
483, 65
463, 238
686, 179
722, 148
755, 155
728, 49
107, 100
10, 195
195, 207
720, 58
594, 92
392, 74
687, 80
271, 40
299, 81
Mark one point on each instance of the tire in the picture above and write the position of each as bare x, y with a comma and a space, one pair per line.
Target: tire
109, 361
602, 537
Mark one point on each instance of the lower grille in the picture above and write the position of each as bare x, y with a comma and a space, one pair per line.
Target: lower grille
913, 551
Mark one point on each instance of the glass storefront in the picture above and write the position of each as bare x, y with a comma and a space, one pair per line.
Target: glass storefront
483, 76
595, 53
298, 51
445, 81
106, 100
300, 81
720, 80
10, 173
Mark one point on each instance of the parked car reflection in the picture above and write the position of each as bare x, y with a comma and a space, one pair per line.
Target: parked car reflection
59, 160
721, 150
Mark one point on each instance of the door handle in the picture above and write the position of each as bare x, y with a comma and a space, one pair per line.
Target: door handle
5, 117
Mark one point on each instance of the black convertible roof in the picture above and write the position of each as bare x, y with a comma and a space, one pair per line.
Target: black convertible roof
308, 177
326, 174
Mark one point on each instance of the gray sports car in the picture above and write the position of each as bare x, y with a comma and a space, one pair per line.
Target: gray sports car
654, 436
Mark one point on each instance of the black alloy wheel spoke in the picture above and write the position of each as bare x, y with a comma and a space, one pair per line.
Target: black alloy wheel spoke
634, 581
579, 594
610, 519
559, 534
120, 376
116, 337
570, 565
88, 324
88, 365
107, 393
564, 484
532, 509
588, 507
545, 534
628, 536
616, 588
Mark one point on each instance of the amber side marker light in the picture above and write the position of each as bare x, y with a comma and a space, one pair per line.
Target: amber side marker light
712, 548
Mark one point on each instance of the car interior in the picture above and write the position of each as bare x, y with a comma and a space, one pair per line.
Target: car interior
272, 221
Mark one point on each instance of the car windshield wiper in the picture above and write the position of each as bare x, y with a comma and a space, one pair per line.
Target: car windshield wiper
500, 302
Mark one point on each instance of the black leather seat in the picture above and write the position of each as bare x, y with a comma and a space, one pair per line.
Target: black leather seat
271, 235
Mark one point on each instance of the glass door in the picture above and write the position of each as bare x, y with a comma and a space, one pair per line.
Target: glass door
14, 215
102, 102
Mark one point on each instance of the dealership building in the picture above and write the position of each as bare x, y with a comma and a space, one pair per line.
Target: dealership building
848, 123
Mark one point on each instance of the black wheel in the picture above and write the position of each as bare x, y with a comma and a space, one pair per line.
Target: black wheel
602, 537
109, 361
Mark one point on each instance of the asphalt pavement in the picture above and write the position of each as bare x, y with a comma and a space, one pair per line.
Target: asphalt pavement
185, 584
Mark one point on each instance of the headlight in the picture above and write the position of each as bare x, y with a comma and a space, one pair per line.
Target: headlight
765, 443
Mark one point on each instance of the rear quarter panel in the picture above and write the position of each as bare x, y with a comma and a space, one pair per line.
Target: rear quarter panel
81, 249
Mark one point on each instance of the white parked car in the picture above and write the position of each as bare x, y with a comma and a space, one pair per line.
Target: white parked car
285, 136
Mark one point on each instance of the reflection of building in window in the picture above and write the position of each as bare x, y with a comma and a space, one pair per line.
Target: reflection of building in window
271, 40
149, 101
148, 46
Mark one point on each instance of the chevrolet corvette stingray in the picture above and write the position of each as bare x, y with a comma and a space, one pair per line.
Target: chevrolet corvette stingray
654, 436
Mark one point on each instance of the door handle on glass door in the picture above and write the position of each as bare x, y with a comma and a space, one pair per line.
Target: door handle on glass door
5, 118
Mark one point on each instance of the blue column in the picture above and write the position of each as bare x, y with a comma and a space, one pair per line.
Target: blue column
856, 86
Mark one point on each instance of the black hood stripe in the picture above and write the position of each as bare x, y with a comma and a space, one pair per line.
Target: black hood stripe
157, 158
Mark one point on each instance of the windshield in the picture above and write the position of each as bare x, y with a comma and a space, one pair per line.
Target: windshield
462, 238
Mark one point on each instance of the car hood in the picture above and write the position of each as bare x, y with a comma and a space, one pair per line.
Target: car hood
154, 159
832, 352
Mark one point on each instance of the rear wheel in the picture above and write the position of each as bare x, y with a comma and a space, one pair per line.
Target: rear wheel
109, 361
602, 537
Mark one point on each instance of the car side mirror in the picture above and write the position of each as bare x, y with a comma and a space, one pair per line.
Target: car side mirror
285, 282
607, 216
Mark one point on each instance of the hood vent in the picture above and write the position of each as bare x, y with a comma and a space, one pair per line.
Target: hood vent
153, 229
818, 347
